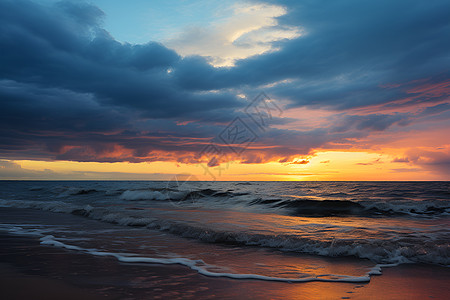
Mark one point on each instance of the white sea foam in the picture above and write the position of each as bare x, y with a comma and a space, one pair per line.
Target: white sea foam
195, 264
377, 269
200, 266
412, 208
422, 249
26, 229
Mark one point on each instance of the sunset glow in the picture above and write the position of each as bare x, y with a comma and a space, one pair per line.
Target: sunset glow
102, 92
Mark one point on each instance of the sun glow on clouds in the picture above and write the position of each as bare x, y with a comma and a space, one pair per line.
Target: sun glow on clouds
250, 29
83, 98
323, 165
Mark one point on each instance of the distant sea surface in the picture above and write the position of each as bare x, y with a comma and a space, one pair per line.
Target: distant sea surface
283, 231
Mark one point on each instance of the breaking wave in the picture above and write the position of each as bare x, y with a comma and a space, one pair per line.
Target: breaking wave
432, 250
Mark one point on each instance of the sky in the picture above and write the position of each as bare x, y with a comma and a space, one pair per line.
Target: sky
224, 90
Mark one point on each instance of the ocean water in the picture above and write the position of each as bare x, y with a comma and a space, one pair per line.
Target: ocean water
282, 231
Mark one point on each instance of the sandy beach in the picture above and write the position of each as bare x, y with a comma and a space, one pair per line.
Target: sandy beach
30, 270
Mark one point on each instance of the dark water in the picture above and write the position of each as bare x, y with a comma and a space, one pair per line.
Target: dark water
337, 231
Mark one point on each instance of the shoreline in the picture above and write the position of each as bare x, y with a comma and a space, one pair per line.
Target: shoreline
28, 269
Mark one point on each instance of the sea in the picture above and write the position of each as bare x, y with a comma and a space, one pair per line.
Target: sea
275, 231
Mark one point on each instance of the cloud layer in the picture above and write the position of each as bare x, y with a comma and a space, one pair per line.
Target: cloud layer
70, 91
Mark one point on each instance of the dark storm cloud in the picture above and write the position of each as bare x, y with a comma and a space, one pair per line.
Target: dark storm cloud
69, 90
54, 109
349, 50
64, 81
373, 122
68, 125
65, 46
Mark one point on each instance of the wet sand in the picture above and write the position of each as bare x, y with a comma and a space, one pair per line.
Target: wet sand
29, 270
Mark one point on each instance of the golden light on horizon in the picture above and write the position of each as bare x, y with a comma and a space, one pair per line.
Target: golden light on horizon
322, 166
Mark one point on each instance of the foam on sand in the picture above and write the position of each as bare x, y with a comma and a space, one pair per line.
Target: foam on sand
201, 267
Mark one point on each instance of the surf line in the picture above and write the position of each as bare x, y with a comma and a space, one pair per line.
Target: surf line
200, 266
